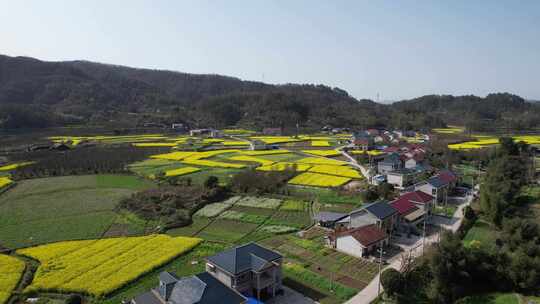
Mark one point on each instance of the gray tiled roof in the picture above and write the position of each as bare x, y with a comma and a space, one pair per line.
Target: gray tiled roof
436, 182
239, 259
188, 290
381, 209
167, 277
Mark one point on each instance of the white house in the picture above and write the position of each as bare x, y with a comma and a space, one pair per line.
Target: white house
359, 242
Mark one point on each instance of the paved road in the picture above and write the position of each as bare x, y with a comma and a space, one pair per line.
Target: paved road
370, 292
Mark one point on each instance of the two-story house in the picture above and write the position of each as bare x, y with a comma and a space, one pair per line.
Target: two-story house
252, 270
391, 162
381, 214
401, 178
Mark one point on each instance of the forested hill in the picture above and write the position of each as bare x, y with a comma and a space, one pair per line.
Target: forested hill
36, 93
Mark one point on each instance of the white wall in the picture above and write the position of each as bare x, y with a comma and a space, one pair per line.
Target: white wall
349, 245
395, 180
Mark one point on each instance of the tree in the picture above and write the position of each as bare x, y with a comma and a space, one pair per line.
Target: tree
385, 191
392, 282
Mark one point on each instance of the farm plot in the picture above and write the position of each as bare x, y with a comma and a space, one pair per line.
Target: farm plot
62, 208
325, 153
293, 219
283, 166
247, 214
10, 274
336, 170
321, 161
319, 180
191, 230
98, 267
316, 264
259, 202
226, 231
215, 209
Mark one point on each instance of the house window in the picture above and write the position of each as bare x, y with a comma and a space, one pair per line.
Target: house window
434, 192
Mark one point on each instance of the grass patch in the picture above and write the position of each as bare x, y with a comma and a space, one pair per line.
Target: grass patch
481, 234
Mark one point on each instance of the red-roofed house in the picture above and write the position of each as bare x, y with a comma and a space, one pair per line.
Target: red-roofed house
359, 242
420, 199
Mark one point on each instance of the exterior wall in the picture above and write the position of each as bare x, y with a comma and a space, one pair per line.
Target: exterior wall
429, 189
410, 164
347, 244
361, 218
221, 275
395, 179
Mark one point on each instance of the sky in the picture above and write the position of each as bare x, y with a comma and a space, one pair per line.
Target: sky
391, 49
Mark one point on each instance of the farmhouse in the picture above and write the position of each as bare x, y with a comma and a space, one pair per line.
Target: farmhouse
401, 178
250, 269
363, 141
257, 145
201, 288
391, 162
205, 133
382, 214
358, 242
439, 185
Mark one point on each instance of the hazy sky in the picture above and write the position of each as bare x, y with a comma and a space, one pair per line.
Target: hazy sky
400, 49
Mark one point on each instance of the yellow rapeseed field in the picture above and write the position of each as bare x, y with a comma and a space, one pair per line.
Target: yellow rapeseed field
180, 155
98, 267
322, 152
181, 171
321, 161
15, 166
320, 143
282, 166
11, 270
157, 144
319, 180
211, 163
336, 170
235, 143
264, 152
4, 181
276, 139
252, 159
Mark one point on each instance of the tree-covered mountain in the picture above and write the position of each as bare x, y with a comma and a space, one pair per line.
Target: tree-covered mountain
36, 93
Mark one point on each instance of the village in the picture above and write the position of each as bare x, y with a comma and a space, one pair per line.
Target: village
350, 205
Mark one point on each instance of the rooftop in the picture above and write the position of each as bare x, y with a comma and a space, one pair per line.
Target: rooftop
247, 257
366, 235
381, 209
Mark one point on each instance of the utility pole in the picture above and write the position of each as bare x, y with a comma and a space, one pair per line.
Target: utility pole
424, 235
380, 268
